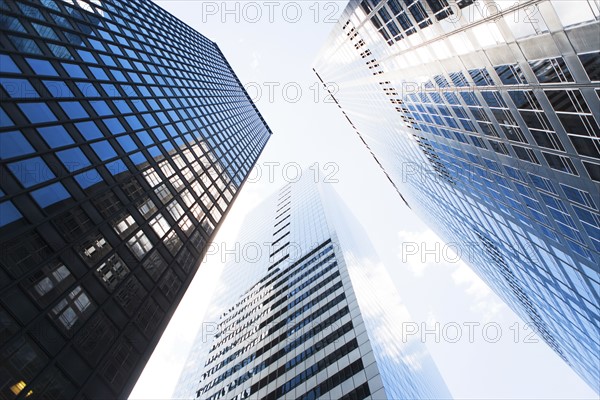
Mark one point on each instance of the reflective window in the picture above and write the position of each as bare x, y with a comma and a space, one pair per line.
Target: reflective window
41, 67
74, 70
31, 171
99, 73
8, 65
94, 249
53, 276
88, 89
37, 112
89, 130
4, 119
551, 70
127, 143
73, 109
58, 88
591, 63
73, 159
160, 225
72, 308
112, 271
560, 163
55, 136
88, 178
18, 88
101, 108
13, 144
104, 150
116, 167
49, 195
175, 209
138, 158
114, 126
139, 244
8, 213
147, 208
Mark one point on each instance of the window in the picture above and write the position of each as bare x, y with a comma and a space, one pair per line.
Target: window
163, 193
41, 67
139, 244
8, 213
112, 271
18, 88
49, 278
175, 209
37, 112
154, 265
94, 249
152, 177
73, 159
173, 242
551, 70
560, 163
31, 172
8, 65
124, 225
130, 295
591, 64
510, 74
13, 144
170, 284
127, 143
147, 208
108, 204
160, 225
88, 178
186, 225
73, 109
89, 130
72, 308
103, 150
74, 71
481, 77
73, 224
586, 146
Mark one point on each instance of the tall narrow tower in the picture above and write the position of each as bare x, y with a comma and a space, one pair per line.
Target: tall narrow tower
485, 115
311, 314
124, 138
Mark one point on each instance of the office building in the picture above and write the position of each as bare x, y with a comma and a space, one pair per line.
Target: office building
304, 310
484, 115
125, 137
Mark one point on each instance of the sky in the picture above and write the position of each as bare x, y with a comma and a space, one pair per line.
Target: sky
482, 349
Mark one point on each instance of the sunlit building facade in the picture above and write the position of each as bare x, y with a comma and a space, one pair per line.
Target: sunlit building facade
484, 115
304, 310
125, 136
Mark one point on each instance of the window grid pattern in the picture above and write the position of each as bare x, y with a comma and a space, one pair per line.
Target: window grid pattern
502, 143
122, 149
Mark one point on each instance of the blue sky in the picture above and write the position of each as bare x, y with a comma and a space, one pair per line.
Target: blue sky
272, 46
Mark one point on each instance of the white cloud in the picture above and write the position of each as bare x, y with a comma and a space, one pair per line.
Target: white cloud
420, 250
484, 301
255, 60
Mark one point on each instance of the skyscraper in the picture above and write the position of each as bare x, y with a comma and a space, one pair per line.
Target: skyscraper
125, 137
485, 117
305, 310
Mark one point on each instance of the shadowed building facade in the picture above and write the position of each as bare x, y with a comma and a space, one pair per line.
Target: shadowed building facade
304, 310
484, 115
125, 137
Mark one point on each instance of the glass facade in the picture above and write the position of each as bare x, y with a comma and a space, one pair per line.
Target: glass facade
485, 117
304, 310
124, 138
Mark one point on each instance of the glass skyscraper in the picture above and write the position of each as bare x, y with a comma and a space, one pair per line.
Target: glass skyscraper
304, 311
485, 116
125, 137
